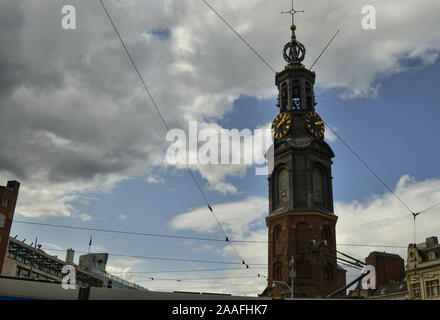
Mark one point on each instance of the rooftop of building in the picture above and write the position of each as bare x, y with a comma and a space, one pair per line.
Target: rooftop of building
393, 287
93, 272
384, 254
428, 250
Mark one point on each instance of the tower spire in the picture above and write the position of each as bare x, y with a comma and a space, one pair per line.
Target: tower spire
294, 51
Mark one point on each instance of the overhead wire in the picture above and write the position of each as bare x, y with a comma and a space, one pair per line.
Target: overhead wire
203, 280
349, 265
167, 128
194, 178
182, 271
164, 258
368, 167
239, 36
185, 237
328, 126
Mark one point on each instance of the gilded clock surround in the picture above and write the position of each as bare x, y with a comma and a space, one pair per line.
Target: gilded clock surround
281, 125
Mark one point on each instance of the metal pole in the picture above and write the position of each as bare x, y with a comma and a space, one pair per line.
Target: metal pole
348, 285
292, 276
33, 256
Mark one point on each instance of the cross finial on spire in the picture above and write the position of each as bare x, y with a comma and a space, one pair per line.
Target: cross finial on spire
292, 12
293, 51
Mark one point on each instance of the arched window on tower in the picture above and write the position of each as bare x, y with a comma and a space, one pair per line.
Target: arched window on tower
309, 96
318, 186
327, 275
282, 187
276, 240
327, 236
277, 271
296, 94
284, 98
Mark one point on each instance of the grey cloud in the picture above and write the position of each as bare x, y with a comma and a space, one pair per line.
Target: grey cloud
73, 111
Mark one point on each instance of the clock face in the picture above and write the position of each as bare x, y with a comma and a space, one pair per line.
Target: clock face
281, 125
315, 124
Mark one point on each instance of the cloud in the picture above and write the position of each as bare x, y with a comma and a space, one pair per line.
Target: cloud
122, 217
155, 179
85, 217
236, 217
329, 135
123, 268
77, 117
123, 273
218, 153
51, 245
382, 220
241, 220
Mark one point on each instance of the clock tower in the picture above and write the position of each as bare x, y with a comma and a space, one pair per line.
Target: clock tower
301, 221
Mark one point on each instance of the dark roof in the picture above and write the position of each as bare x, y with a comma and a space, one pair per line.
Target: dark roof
389, 288
384, 254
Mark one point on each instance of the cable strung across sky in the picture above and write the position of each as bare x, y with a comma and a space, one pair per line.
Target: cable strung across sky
338, 136
167, 129
166, 258
186, 237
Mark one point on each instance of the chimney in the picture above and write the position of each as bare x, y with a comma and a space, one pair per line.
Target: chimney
431, 241
15, 186
69, 256
389, 267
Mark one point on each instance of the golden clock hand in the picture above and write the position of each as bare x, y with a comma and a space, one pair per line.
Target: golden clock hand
281, 122
319, 122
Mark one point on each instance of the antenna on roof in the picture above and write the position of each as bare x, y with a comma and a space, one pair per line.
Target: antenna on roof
415, 214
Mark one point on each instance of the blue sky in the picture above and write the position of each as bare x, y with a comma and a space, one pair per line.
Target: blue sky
103, 140
393, 132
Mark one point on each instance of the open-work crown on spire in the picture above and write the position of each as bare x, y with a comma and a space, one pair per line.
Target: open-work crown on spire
294, 51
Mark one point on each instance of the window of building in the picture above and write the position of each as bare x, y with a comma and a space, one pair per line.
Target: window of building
282, 187
277, 247
2, 220
415, 287
296, 94
318, 185
277, 234
277, 271
284, 98
326, 236
5, 202
431, 255
432, 288
309, 96
327, 275
24, 273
